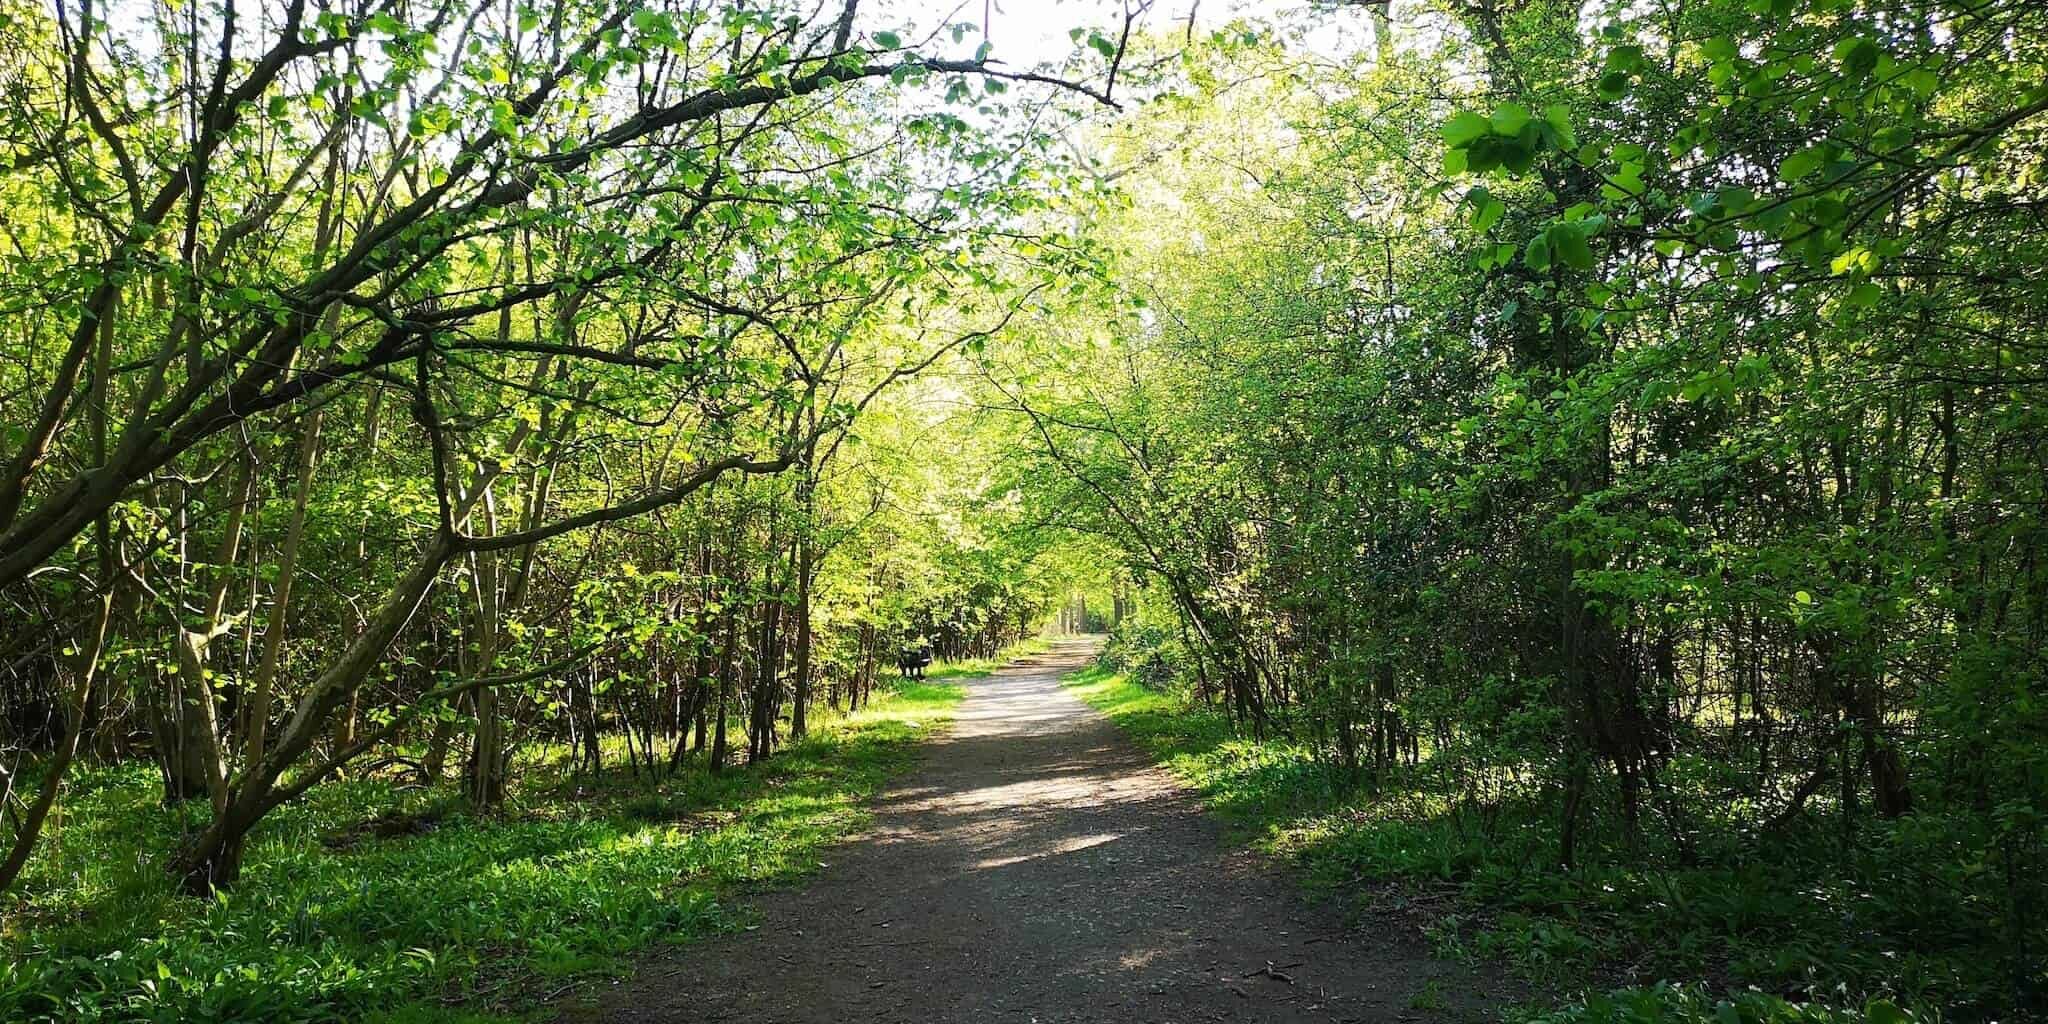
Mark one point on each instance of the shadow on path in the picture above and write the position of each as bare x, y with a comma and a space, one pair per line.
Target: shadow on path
1037, 867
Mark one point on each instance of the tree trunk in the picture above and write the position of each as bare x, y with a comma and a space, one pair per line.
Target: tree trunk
727, 659
84, 665
213, 857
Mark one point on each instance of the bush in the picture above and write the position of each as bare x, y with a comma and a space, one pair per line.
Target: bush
1890, 918
1150, 653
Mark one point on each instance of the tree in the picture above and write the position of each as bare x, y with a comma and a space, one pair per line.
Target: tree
516, 250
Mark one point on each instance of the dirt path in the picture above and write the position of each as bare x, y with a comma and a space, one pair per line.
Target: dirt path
1036, 867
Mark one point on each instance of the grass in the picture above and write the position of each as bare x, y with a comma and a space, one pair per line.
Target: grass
1801, 923
969, 667
462, 919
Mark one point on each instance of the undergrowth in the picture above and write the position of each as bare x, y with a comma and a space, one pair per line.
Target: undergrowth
451, 918
1787, 929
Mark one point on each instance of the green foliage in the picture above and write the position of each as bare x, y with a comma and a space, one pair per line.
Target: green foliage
1146, 650
1666, 1004
1587, 456
448, 379
1891, 922
336, 922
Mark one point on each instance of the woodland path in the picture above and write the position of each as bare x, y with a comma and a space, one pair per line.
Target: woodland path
1037, 867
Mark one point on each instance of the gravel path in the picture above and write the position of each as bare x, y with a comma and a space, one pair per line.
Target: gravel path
1036, 867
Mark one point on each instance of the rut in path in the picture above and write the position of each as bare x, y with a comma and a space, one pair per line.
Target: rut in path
1036, 867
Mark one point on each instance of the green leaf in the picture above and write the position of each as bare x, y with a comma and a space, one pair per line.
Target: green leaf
1486, 209
1464, 127
1489, 213
1560, 121
1623, 183
1519, 159
1623, 58
1537, 255
1509, 118
1858, 260
1487, 153
888, 40
1858, 56
1569, 241
1863, 296
1803, 163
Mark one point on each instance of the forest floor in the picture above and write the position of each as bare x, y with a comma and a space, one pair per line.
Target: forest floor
382, 903
1038, 867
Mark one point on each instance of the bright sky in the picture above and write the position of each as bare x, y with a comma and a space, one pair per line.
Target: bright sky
1025, 33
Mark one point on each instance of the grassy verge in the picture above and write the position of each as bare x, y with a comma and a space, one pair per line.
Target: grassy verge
454, 918
968, 667
1787, 923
